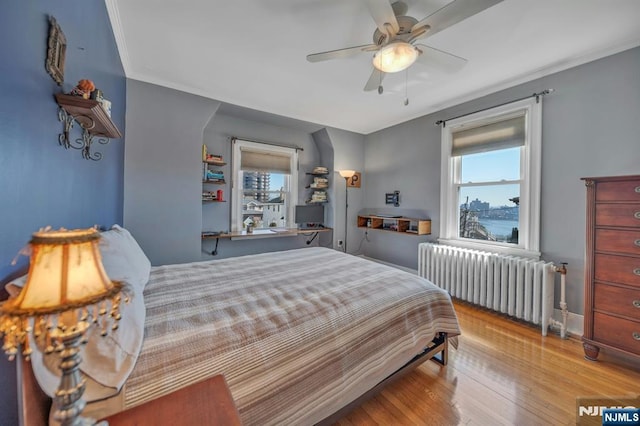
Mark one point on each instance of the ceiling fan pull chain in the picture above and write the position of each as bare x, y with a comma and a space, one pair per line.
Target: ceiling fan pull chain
380, 89
406, 91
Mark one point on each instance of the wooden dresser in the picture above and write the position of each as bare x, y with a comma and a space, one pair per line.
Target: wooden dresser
612, 266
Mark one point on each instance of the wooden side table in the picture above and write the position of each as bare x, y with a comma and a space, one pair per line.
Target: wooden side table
207, 403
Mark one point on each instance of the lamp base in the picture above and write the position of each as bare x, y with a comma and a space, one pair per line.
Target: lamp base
68, 403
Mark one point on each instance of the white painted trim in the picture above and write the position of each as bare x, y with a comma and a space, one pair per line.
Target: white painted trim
118, 34
488, 90
530, 167
518, 80
393, 265
575, 322
237, 184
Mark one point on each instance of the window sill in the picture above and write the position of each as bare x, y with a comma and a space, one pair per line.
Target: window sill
493, 248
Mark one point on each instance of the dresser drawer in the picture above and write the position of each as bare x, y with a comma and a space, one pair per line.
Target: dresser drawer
618, 215
618, 241
618, 332
618, 300
618, 269
618, 191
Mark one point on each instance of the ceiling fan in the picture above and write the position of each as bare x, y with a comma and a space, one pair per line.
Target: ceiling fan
394, 41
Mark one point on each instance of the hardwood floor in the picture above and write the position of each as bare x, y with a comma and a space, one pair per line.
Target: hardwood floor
503, 373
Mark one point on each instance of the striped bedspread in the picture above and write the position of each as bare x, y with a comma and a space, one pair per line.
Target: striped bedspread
297, 334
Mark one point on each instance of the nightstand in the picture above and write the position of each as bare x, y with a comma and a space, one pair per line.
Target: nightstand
207, 403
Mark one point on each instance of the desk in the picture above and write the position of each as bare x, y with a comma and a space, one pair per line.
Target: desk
207, 403
263, 233
266, 233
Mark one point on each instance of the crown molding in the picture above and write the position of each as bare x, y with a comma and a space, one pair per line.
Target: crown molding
118, 33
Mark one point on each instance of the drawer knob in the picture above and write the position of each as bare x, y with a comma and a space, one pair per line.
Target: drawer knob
636, 335
636, 303
637, 242
637, 189
636, 271
637, 215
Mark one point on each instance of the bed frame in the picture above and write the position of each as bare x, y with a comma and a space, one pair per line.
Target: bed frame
34, 405
439, 345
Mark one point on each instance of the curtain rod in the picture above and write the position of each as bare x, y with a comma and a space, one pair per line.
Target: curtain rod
297, 148
535, 95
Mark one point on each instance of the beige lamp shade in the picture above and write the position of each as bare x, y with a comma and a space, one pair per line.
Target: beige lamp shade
65, 277
347, 173
65, 272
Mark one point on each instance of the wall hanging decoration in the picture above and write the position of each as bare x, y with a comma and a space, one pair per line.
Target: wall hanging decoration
56, 49
90, 114
392, 198
354, 181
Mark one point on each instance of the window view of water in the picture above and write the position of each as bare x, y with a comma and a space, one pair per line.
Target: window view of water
499, 228
482, 220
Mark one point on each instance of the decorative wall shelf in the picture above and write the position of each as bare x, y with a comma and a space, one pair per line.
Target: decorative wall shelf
92, 118
215, 163
319, 186
405, 225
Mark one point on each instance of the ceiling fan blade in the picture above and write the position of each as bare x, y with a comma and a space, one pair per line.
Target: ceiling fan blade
439, 60
341, 53
399, 8
375, 80
452, 13
383, 15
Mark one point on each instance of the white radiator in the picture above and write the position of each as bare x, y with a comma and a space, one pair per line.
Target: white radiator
519, 287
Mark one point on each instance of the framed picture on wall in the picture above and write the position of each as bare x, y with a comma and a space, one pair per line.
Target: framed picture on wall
56, 50
354, 181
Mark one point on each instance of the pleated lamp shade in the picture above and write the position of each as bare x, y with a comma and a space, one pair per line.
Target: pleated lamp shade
65, 272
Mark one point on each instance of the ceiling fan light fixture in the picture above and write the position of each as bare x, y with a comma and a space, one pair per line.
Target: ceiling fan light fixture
395, 56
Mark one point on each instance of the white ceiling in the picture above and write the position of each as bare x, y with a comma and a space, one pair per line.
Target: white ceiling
252, 53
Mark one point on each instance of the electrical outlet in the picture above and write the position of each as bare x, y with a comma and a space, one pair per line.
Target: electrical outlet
340, 243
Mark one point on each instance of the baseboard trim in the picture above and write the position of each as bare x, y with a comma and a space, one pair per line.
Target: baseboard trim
393, 265
575, 322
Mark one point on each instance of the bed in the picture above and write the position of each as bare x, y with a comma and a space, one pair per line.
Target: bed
298, 334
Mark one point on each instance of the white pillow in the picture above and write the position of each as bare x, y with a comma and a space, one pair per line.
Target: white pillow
14, 287
123, 259
106, 361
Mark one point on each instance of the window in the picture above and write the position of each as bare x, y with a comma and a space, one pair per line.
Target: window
264, 191
490, 195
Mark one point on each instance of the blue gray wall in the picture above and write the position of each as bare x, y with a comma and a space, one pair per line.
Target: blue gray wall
590, 128
42, 183
216, 216
163, 170
348, 150
162, 198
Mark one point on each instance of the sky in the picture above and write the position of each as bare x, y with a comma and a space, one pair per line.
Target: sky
276, 181
491, 166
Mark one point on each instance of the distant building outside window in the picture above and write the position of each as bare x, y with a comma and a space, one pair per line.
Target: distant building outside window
490, 195
264, 192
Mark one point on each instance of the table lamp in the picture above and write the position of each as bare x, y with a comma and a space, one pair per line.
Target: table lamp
67, 291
